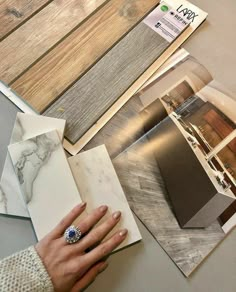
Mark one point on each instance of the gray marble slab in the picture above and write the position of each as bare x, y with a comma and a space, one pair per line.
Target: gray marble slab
26, 126
46, 180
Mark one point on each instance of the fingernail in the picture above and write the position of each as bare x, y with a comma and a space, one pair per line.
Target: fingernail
116, 215
102, 267
83, 204
123, 232
103, 208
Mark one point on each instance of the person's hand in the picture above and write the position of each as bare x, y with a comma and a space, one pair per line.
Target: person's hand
70, 267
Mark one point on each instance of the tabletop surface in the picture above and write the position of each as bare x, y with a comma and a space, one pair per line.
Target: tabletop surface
145, 266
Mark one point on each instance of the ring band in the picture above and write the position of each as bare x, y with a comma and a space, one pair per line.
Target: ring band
72, 234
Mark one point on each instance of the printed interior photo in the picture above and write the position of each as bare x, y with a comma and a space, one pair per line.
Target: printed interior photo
173, 147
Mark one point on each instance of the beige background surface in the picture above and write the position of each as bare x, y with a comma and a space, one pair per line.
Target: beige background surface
214, 43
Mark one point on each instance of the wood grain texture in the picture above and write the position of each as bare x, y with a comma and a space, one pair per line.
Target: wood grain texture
144, 187
14, 12
73, 149
33, 39
107, 80
123, 129
54, 73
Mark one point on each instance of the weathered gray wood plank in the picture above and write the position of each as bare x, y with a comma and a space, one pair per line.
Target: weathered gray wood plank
123, 129
87, 100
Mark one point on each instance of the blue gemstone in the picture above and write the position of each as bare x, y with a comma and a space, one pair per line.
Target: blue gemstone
71, 233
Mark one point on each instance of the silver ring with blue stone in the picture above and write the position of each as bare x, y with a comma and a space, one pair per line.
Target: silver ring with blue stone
72, 234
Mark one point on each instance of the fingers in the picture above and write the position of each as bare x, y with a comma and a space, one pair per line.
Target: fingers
89, 221
68, 220
104, 249
99, 233
89, 277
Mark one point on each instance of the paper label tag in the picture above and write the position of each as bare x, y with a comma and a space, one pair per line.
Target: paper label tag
166, 21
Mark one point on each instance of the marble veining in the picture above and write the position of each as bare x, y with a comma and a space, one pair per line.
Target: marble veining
98, 184
35, 155
45, 179
26, 126
11, 200
18, 131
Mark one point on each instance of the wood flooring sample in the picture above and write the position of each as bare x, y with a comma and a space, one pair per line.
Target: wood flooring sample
122, 130
61, 67
14, 12
87, 100
33, 39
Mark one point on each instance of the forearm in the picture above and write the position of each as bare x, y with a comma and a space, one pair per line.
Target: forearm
24, 271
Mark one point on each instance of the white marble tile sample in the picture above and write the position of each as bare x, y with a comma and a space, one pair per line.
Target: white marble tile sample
46, 180
98, 184
26, 126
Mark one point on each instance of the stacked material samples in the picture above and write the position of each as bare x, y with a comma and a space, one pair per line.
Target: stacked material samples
85, 65
39, 182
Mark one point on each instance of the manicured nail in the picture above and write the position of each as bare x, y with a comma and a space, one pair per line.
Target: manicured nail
102, 267
116, 215
123, 232
103, 208
82, 205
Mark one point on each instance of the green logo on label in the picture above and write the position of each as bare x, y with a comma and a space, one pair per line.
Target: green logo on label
164, 8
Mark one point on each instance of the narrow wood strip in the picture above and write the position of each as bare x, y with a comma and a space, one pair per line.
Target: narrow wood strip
53, 74
33, 39
15, 12
93, 94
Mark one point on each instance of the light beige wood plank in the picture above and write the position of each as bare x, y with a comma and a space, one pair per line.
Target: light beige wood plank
15, 12
33, 39
53, 74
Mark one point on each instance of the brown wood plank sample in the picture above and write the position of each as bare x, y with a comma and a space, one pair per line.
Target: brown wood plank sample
87, 100
14, 12
33, 39
54, 73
